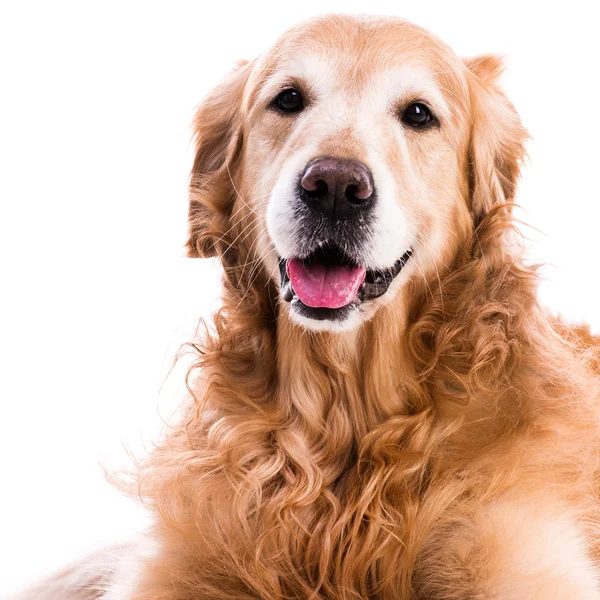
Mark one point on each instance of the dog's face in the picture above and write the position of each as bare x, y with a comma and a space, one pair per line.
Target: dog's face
349, 147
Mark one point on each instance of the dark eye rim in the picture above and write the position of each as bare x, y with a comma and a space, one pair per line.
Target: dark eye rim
431, 122
275, 102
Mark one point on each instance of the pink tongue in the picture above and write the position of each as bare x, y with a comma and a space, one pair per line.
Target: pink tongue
324, 286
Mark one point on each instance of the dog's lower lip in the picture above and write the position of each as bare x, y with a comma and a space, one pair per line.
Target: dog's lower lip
375, 285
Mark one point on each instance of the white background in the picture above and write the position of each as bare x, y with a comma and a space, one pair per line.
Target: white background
95, 105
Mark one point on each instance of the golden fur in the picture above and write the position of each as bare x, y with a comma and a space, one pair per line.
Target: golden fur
445, 449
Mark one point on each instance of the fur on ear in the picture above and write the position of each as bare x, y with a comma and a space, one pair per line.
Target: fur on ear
498, 138
218, 139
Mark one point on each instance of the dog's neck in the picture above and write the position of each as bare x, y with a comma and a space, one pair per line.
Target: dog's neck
359, 373
440, 351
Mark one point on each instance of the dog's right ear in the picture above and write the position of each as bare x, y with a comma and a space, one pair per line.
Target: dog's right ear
219, 140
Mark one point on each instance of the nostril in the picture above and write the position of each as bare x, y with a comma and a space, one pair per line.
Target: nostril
320, 189
351, 192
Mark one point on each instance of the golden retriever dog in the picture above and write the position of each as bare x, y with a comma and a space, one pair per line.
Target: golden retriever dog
381, 408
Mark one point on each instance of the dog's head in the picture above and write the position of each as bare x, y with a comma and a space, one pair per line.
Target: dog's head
352, 157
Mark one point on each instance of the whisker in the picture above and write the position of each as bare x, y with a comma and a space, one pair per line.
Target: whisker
251, 282
252, 223
244, 205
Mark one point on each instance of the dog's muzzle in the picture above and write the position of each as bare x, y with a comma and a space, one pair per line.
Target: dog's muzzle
327, 279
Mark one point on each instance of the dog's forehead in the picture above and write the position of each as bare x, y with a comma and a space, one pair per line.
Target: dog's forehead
354, 54
369, 40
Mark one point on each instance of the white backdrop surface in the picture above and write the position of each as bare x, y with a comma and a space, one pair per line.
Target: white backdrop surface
96, 296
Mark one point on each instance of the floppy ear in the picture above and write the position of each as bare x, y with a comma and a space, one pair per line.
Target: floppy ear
497, 144
218, 138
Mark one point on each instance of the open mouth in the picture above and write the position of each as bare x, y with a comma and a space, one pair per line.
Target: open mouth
327, 284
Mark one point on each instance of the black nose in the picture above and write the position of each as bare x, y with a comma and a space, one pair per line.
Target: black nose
339, 188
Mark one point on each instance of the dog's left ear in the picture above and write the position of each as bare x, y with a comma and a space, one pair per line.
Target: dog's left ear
497, 144
219, 140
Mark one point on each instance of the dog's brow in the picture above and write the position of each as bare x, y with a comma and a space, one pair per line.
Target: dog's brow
409, 84
311, 69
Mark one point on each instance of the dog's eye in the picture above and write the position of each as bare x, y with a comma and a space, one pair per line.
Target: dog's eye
417, 115
289, 101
